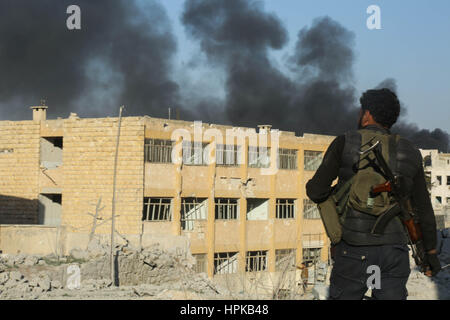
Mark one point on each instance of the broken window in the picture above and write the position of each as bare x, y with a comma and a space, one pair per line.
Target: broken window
285, 208
192, 210
256, 261
287, 159
258, 157
439, 179
428, 179
439, 200
311, 255
225, 262
158, 151
226, 209
200, 265
427, 161
193, 153
227, 155
50, 209
284, 259
313, 159
257, 209
51, 152
157, 209
312, 240
310, 210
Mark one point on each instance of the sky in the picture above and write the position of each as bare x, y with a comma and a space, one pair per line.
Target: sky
413, 47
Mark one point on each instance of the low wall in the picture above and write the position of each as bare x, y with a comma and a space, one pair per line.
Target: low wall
30, 239
43, 240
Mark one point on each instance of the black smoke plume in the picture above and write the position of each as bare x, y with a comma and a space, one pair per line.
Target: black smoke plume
121, 55
317, 97
239, 35
124, 54
422, 138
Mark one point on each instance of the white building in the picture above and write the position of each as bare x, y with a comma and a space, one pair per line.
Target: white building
437, 170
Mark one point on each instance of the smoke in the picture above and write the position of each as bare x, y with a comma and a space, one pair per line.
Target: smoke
239, 34
124, 54
121, 55
318, 96
421, 138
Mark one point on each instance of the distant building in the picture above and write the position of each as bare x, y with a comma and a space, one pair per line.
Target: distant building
437, 173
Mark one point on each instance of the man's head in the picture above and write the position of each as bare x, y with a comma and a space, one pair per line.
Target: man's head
379, 107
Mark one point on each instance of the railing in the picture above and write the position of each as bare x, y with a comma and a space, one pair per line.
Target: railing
158, 151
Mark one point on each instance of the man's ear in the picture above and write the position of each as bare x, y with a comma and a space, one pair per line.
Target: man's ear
367, 117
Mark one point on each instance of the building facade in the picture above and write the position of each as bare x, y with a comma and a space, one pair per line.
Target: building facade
437, 172
245, 211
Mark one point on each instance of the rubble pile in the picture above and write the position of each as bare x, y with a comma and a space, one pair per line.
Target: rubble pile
141, 273
421, 287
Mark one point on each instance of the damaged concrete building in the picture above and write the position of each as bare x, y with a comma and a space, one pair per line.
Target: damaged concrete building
437, 174
56, 190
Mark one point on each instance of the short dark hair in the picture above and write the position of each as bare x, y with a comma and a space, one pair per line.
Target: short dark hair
382, 104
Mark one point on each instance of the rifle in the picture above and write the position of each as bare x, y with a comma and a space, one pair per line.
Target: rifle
401, 208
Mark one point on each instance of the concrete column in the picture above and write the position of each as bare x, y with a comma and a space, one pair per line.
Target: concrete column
243, 211
210, 224
176, 218
272, 219
299, 205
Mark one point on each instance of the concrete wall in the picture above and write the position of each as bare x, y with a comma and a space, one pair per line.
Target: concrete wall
88, 157
86, 175
34, 239
19, 172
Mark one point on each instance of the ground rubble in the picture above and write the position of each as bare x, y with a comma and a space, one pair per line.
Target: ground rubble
419, 286
148, 273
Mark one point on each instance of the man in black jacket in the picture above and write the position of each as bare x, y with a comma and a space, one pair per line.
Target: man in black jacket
358, 248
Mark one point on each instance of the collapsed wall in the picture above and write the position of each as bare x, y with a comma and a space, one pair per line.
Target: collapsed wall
147, 271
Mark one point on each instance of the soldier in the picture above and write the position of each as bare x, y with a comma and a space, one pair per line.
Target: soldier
359, 248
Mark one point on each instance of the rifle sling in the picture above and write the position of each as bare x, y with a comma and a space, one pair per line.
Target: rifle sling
384, 219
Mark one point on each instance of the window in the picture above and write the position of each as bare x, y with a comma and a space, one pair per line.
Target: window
228, 155
50, 209
439, 179
284, 259
226, 209
310, 210
192, 209
285, 208
257, 209
312, 240
193, 153
448, 201
427, 161
313, 159
439, 200
51, 152
225, 262
258, 157
158, 151
200, 265
256, 261
287, 159
448, 180
157, 209
311, 255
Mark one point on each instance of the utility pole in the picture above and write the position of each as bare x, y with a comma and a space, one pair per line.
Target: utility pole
113, 271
